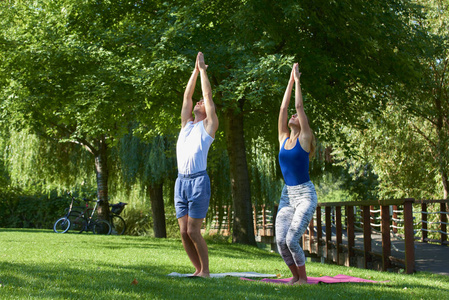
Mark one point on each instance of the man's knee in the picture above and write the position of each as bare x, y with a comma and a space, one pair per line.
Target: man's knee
184, 234
194, 233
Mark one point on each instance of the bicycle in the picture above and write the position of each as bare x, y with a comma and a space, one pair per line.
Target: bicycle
80, 221
62, 225
117, 222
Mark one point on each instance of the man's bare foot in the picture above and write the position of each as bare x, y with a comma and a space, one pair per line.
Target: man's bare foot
203, 274
196, 273
293, 281
300, 282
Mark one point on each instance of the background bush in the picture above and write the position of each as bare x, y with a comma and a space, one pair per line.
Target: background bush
33, 211
41, 211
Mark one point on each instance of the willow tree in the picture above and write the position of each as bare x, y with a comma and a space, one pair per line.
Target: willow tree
347, 51
146, 164
35, 163
73, 74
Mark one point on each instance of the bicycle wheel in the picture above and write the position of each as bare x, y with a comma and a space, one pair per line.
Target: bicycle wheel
77, 222
61, 225
118, 225
101, 227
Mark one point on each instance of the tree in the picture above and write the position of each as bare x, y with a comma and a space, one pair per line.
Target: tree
407, 145
79, 71
147, 164
347, 51
431, 104
73, 74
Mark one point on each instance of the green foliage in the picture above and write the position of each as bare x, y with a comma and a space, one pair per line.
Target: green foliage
406, 143
218, 171
266, 182
397, 155
139, 221
84, 71
331, 189
34, 211
36, 163
143, 161
70, 79
250, 48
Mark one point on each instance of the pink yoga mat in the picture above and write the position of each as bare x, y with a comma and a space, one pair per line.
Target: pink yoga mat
314, 280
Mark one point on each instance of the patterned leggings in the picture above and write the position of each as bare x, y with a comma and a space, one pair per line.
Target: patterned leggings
296, 208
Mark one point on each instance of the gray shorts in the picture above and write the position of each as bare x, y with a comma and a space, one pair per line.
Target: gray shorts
192, 195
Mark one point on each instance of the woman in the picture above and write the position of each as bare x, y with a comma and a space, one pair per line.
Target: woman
298, 200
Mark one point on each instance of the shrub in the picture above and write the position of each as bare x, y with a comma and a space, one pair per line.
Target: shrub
30, 211
139, 221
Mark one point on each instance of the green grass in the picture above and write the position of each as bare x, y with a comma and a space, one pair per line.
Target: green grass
39, 264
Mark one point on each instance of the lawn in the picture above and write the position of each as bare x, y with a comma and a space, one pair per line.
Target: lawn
40, 264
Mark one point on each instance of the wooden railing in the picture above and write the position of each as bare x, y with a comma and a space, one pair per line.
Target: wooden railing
336, 251
263, 219
338, 234
385, 218
428, 226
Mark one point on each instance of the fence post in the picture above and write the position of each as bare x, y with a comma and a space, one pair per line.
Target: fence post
328, 230
339, 232
264, 220
366, 235
372, 216
424, 222
255, 220
319, 232
386, 241
311, 235
351, 233
443, 219
395, 217
409, 236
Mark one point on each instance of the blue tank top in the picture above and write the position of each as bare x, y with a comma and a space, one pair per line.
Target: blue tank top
294, 164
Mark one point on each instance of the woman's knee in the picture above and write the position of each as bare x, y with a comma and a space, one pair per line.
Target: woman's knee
281, 243
293, 244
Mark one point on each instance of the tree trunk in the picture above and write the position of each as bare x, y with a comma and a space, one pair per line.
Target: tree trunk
445, 185
101, 170
157, 209
243, 227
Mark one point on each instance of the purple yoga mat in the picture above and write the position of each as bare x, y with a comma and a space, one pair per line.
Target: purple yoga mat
314, 280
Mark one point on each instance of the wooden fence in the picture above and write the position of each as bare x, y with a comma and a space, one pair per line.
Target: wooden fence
336, 251
338, 234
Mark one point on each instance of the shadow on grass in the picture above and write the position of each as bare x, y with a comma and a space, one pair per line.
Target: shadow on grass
240, 251
112, 281
55, 266
31, 230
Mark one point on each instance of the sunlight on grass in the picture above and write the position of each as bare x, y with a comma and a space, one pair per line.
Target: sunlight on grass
43, 265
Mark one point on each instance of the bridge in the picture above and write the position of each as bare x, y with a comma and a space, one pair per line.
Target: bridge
399, 234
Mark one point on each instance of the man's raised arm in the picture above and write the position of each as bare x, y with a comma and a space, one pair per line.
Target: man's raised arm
187, 104
211, 121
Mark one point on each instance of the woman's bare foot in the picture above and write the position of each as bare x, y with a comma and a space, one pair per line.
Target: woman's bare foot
204, 275
293, 281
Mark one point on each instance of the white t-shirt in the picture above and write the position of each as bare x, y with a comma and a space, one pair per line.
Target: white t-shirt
192, 148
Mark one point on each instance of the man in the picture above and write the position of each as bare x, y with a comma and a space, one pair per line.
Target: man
192, 188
